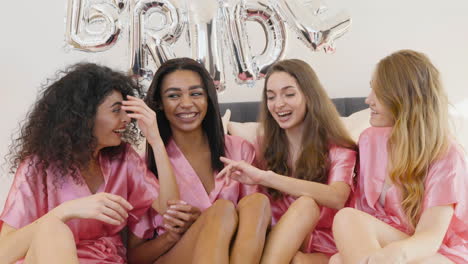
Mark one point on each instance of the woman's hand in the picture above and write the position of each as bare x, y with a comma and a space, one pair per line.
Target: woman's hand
180, 216
106, 207
242, 172
145, 116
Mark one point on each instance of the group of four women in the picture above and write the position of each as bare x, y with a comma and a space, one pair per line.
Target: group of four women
297, 194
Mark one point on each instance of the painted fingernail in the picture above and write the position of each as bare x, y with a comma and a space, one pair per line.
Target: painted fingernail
183, 202
170, 211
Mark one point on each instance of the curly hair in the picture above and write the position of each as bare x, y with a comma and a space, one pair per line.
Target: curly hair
58, 130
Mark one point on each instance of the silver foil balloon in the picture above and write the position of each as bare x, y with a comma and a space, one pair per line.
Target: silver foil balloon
93, 25
275, 32
238, 45
314, 24
205, 38
151, 38
249, 67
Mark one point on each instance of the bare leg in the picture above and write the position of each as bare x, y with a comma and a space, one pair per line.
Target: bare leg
308, 258
207, 240
287, 236
436, 259
53, 243
358, 235
254, 219
335, 259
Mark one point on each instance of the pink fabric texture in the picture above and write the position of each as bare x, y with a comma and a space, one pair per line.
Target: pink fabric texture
342, 162
191, 188
446, 183
125, 174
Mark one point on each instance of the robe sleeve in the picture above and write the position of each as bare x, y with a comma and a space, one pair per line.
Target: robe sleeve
447, 182
343, 161
27, 199
143, 189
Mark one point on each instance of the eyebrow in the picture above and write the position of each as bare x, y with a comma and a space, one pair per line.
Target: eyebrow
283, 88
176, 89
116, 103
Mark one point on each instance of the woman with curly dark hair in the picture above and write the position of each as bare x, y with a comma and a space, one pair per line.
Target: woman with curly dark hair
77, 184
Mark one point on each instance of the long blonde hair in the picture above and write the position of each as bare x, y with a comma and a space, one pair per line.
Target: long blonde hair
408, 84
322, 127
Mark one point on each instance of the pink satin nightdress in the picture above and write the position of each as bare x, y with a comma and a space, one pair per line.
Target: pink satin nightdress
342, 162
446, 183
125, 175
191, 188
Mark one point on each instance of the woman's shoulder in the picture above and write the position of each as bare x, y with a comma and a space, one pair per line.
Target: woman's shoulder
374, 135
453, 158
376, 132
337, 151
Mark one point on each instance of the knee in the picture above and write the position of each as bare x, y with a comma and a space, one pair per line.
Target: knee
225, 213
305, 206
345, 218
53, 229
257, 202
52, 226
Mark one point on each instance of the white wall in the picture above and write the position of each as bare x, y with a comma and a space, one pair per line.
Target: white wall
31, 50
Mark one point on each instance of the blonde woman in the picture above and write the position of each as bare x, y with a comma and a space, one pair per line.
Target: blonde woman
411, 202
308, 160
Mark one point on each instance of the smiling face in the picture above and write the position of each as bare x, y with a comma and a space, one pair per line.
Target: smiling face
184, 100
285, 100
380, 115
110, 121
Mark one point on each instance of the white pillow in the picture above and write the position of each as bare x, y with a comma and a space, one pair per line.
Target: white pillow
247, 131
357, 122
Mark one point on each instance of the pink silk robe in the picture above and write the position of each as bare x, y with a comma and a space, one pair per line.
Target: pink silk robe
446, 183
342, 162
191, 188
125, 175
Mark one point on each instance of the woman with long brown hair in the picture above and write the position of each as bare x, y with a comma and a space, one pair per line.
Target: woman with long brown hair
308, 158
411, 195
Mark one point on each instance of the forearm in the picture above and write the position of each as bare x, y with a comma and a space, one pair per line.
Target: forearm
429, 233
168, 185
323, 194
151, 250
419, 246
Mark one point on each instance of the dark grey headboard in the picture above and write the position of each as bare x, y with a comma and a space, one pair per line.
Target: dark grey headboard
248, 111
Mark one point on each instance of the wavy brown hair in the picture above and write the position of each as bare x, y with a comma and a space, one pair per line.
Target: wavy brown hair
322, 127
58, 130
409, 85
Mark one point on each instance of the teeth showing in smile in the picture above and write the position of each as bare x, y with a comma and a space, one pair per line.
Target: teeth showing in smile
120, 130
281, 114
190, 115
